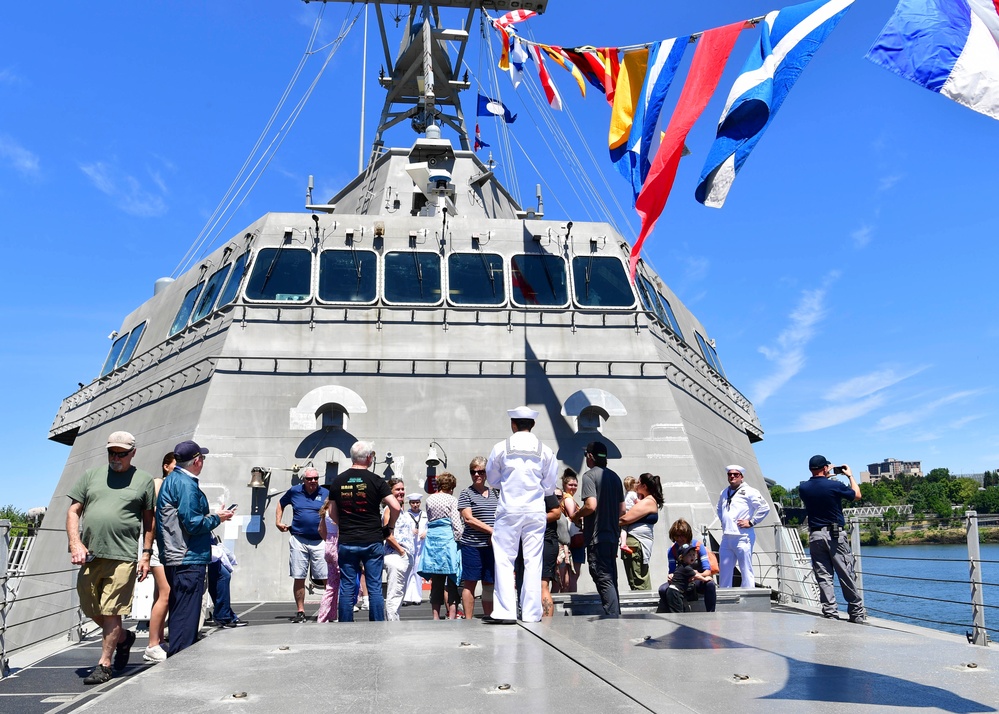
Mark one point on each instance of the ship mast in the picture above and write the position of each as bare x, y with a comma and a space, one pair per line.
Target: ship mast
422, 83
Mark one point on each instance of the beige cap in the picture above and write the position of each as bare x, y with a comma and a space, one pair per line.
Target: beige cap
121, 440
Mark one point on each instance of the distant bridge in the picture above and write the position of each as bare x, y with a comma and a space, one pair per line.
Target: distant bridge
867, 512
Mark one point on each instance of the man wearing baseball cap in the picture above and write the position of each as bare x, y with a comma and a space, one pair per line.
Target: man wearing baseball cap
525, 471
184, 528
603, 505
828, 545
116, 504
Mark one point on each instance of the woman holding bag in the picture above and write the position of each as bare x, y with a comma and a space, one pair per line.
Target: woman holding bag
569, 568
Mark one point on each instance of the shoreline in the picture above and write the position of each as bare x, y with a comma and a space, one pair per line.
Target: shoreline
916, 536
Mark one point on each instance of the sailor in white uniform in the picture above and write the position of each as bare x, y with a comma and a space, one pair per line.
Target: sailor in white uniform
740, 508
525, 471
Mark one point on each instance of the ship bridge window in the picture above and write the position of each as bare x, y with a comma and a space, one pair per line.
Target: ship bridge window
123, 349
601, 282
475, 279
184, 313
348, 276
207, 300
710, 354
539, 280
654, 302
281, 274
413, 277
232, 284
116, 347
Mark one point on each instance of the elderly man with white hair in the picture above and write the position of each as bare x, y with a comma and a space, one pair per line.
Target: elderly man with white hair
525, 471
305, 544
740, 508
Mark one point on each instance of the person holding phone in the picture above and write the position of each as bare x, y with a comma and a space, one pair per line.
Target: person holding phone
828, 546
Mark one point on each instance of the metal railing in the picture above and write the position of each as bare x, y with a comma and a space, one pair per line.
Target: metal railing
790, 567
13, 570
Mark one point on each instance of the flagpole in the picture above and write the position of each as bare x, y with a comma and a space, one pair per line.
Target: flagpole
364, 75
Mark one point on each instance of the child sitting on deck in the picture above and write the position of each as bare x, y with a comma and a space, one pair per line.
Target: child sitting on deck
685, 576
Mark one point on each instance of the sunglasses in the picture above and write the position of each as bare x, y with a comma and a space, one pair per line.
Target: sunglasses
476, 472
119, 454
311, 478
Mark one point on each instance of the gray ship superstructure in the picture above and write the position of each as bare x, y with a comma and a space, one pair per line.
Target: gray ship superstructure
412, 309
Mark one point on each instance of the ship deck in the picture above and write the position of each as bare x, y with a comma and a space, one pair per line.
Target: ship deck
696, 662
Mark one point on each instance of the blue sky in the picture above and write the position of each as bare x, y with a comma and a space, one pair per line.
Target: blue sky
847, 280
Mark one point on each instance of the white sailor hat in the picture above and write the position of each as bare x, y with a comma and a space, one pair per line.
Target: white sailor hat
414, 497
522, 413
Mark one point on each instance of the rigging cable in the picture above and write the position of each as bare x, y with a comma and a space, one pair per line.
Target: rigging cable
254, 174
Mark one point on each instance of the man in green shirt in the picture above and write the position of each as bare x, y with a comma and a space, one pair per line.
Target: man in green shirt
116, 503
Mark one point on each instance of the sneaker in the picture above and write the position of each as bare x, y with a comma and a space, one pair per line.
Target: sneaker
300, 617
364, 602
236, 622
862, 620
154, 654
123, 650
357, 607
100, 675
831, 616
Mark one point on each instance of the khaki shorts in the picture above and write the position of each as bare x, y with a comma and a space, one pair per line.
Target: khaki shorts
105, 587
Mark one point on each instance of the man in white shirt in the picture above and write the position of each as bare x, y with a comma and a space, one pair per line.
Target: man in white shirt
740, 508
525, 471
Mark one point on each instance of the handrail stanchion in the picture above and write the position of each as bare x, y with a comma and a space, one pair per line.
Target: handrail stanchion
779, 545
4, 538
858, 569
978, 636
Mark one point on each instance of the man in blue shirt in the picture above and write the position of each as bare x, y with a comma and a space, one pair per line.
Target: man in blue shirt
184, 526
305, 544
828, 546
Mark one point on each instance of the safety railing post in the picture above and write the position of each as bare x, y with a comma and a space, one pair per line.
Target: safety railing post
979, 636
4, 551
858, 569
779, 547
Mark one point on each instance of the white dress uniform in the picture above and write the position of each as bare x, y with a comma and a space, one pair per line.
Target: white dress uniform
736, 547
525, 471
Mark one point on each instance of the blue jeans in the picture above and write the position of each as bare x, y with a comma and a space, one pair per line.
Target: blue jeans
218, 590
187, 586
352, 558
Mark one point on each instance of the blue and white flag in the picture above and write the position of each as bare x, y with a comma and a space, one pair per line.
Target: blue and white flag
493, 107
788, 39
518, 57
664, 58
948, 46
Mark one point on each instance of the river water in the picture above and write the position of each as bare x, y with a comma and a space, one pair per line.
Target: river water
928, 585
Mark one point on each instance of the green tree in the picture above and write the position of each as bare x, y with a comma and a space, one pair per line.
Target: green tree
961, 490
778, 493
892, 518
986, 501
18, 519
938, 475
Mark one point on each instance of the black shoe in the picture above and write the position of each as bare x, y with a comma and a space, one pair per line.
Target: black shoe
490, 620
123, 650
234, 623
859, 620
833, 616
300, 617
100, 675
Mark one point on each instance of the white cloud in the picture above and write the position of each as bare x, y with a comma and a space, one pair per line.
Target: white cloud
911, 416
126, 191
837, 414
9, 76
888, 182
862, 236
22, 160
865, 384
788, 355
697, 269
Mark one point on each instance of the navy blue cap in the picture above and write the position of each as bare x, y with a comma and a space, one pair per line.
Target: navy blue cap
817, 462
187, 451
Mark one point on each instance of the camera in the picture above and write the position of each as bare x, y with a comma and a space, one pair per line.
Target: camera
837, 469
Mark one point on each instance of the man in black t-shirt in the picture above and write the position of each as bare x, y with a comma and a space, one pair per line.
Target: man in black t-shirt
356, 495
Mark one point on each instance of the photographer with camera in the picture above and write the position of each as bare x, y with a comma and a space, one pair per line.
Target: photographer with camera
828, 546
